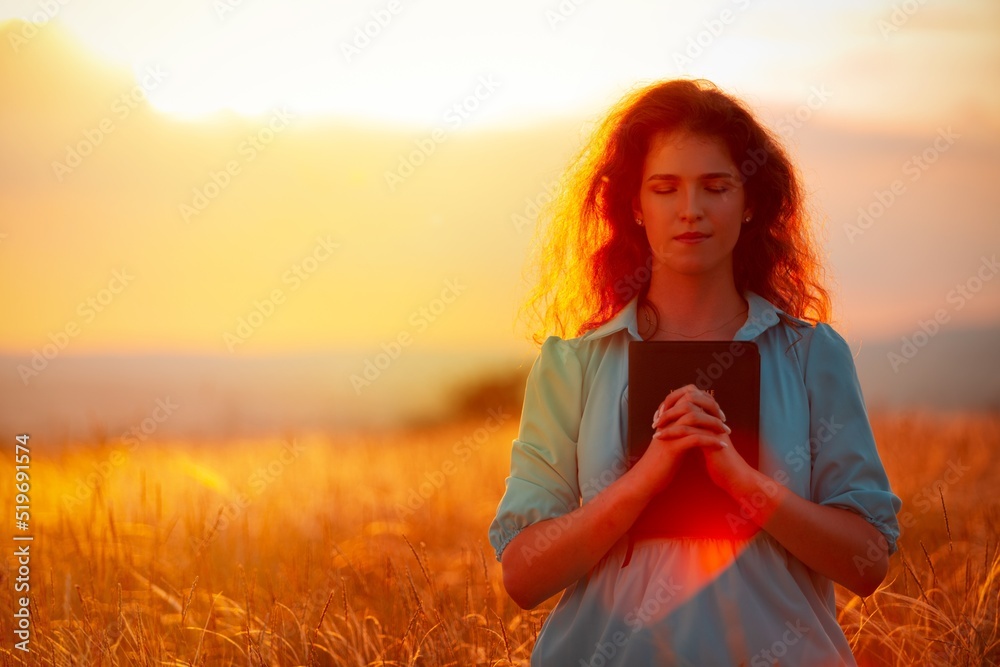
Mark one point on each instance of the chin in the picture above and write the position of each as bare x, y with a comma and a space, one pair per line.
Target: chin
692, 268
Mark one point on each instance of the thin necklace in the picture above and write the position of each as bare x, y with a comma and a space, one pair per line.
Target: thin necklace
678, 333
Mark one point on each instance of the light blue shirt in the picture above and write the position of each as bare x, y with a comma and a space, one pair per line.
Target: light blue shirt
695, 601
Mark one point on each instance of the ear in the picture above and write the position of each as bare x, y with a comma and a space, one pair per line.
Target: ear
747, 216
636, 207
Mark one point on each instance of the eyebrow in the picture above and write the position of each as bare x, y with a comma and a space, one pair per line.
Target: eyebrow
703, 177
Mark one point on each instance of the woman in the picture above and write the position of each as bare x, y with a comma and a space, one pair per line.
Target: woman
683, 220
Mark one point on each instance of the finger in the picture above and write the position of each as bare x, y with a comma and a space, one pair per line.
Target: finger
690, 393
691, 424
688, 403
704, 400
697, 440
667, 403
686, 395
707, 402
704, 420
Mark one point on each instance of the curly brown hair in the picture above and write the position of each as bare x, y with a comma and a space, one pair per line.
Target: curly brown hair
590, 252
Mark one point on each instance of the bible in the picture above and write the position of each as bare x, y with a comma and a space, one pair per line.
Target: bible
692, 505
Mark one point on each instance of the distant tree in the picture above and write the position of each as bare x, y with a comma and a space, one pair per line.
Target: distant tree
472, 398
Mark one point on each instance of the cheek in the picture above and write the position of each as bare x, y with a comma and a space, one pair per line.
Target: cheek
650, 202
729, 214
732, 201
729, 225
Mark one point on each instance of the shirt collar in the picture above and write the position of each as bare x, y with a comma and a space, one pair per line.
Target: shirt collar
762, 315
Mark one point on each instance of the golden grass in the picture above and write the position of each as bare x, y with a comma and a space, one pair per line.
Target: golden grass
940, 602
371, 550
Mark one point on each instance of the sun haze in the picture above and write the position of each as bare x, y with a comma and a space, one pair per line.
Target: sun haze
247, 179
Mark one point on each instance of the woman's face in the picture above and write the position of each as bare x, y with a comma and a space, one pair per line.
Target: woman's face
692, 204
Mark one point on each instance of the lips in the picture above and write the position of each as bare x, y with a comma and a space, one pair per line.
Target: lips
691, 236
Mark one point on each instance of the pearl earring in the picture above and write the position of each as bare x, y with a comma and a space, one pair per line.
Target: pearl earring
638, 221
746, 219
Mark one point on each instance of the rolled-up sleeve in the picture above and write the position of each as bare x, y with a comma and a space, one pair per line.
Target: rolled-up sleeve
847, 471
543, 467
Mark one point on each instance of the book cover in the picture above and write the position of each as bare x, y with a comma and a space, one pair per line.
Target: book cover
692, 505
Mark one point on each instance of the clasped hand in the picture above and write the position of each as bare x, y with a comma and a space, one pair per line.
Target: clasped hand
689, 417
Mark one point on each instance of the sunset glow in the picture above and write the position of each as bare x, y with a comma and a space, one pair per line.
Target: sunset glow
397, 62
209, 151
272, 392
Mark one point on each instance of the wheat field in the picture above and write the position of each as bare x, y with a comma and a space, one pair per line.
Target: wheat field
370, 549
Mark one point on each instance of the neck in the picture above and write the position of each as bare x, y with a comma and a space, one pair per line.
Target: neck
692, 307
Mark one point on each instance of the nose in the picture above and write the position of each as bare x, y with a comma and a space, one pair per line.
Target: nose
690, 204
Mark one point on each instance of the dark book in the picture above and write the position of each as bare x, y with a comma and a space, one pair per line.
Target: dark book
692, 505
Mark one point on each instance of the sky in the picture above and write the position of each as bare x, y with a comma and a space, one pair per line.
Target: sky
243, 179
404, 61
